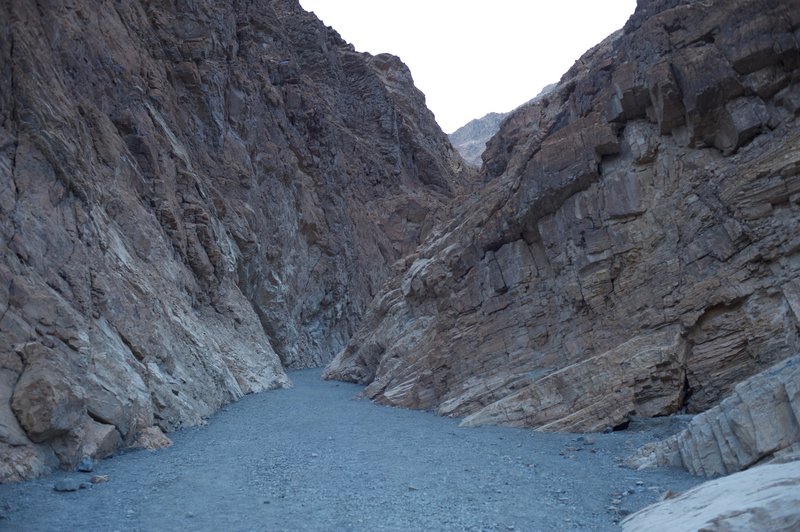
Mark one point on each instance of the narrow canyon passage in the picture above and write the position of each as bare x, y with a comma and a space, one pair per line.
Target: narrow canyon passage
315, 457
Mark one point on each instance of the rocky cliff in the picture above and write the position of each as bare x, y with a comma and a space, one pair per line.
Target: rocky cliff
193, 196
470, 139
636, 250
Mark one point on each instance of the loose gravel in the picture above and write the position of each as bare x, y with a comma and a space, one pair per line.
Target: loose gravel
316, 457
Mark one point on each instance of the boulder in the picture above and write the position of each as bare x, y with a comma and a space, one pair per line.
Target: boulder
762, 498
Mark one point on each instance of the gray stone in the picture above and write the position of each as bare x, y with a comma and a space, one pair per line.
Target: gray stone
86, 465
762, 498
67, 484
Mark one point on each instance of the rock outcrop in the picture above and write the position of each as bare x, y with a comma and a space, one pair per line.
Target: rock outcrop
763, 498
470, 139
193, 196
636, 250
760, 420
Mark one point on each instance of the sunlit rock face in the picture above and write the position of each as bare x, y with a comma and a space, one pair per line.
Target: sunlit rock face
193, 196
636, 250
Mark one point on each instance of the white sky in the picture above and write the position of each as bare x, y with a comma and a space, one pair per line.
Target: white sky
471, 57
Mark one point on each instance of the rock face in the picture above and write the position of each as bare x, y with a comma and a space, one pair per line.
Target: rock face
758, 421
763, 498
636, 250
193, 196
470, 140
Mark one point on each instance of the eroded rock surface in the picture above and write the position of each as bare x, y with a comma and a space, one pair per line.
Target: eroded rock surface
762, 498
760, 420
636, 250
193, 196
470, 139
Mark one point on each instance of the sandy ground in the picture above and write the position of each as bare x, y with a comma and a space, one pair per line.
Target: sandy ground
315, 457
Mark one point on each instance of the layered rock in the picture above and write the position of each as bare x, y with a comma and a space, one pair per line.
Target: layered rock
192, 197
636, 250
763, 498
760, 420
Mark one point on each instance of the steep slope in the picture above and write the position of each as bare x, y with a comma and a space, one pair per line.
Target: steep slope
636, 250
192, 197
470, 139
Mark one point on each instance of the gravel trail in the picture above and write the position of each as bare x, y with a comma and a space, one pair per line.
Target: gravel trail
317, 458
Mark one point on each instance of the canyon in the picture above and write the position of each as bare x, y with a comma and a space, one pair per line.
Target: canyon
636, 249
197, 197
194, 198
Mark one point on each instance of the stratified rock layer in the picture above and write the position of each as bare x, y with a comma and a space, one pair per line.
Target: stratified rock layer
763, 498
192, 196
637, 248
760, 420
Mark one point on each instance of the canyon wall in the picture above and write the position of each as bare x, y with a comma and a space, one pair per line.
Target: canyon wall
193, 197
636, 249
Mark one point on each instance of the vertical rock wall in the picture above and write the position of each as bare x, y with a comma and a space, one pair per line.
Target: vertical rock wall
193, 196
636, 250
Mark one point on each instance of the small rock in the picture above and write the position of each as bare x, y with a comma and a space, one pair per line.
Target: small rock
412, 488
86, 485
67, 484
314, 455
86, 465
639, 483
608, 430
98, 479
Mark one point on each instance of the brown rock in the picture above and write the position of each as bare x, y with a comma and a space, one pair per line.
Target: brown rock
758, 421
23, 462
152, 439
632, 250
46, 404
88, 438
190, 200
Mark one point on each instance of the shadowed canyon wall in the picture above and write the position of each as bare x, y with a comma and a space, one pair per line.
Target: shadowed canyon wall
193, 196
636, 250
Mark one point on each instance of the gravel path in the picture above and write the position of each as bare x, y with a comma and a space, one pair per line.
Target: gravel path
316, 458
